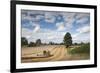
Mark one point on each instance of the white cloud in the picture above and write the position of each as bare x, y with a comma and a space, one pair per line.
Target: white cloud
44, 35
26, 33
49, 17
82, 20
32, 15
26, 17
81, 38
69, 19
47, 35
32, 12
82, 15
67, 24
60, 26
82, 35
51, 37
75, 35
37, 28
84, 29
30, 35
38, 17
54, 36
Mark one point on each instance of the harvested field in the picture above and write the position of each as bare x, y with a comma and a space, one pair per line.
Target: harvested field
57, 53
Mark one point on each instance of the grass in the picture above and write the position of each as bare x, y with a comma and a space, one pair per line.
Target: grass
83, 49
82, 52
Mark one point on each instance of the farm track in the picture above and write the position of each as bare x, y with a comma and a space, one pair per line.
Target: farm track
58, 53
38, 50
25, 54
54, 51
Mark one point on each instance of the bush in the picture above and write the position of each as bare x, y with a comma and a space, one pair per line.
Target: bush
83, 49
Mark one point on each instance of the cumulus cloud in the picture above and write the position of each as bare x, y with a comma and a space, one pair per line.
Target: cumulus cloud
35, 19
84, 29
44, 35
49, 17
36, 29
25, 17
81, 38
81, 15
31, 35
32, 15
82, 35
26, 33
67, 24
56, 36
69, 19
60, 26
82, 18
38, 15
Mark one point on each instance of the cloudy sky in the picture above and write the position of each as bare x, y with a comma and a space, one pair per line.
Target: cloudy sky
52, 26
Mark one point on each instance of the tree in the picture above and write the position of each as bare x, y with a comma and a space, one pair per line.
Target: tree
32, 44
81, 43
75, 43
61, 44
67, 40
24, 41
38, 42
51, 43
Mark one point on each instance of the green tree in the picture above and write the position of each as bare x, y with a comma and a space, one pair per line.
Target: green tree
67, 40
51, 43
32, 44
24, 41
75, 43
38, 42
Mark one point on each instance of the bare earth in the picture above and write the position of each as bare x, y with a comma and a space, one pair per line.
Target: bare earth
58, 53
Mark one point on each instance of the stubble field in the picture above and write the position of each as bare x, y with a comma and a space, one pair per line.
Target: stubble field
57, 53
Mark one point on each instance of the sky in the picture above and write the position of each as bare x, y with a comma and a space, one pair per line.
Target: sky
51, 26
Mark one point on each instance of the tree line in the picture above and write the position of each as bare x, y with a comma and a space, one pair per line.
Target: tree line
24, 42
67, 41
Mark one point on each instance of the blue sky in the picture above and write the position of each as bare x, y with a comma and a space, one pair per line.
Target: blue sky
52, 26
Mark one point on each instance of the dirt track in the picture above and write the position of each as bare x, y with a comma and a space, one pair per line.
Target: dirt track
58, 52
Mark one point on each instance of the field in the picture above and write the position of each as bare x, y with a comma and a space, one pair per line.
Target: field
56, 53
